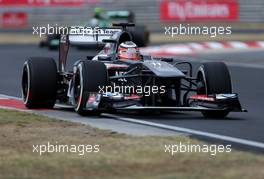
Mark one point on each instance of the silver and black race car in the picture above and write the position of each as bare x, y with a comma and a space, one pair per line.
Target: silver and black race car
106, 83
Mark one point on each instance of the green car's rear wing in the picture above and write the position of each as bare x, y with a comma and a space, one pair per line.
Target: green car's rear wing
121, 15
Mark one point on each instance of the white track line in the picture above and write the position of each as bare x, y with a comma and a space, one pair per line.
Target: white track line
179, 129
191, 131
3, 96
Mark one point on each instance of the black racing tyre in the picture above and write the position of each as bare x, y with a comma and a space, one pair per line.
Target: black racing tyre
140, 35
39, 82
214, 78
42, 43
87, 79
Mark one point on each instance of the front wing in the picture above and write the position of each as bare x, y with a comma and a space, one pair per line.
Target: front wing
217, 102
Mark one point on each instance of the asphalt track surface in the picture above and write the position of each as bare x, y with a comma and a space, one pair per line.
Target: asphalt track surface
247, 82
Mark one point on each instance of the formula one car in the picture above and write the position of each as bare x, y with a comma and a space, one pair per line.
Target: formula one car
104, 19
120, 78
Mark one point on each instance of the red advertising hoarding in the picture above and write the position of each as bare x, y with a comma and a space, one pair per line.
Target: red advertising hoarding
192, 10
13, 19
41, 2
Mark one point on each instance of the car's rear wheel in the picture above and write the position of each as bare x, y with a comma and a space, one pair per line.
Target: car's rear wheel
39, 82
87, 79
42, 44
214, 78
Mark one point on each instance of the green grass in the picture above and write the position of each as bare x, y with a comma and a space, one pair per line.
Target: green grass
120, 156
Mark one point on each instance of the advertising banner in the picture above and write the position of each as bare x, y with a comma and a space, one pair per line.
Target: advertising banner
41, 2
192, 10
13, 19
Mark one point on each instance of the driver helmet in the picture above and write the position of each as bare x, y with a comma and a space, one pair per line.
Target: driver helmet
128, 51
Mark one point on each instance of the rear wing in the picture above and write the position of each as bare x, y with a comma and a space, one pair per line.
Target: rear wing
121, 15
89, 35
78, 35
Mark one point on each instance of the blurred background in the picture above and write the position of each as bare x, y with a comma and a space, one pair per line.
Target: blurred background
244, 16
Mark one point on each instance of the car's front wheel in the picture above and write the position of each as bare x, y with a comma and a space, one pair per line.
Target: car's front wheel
88, 77
214, 78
